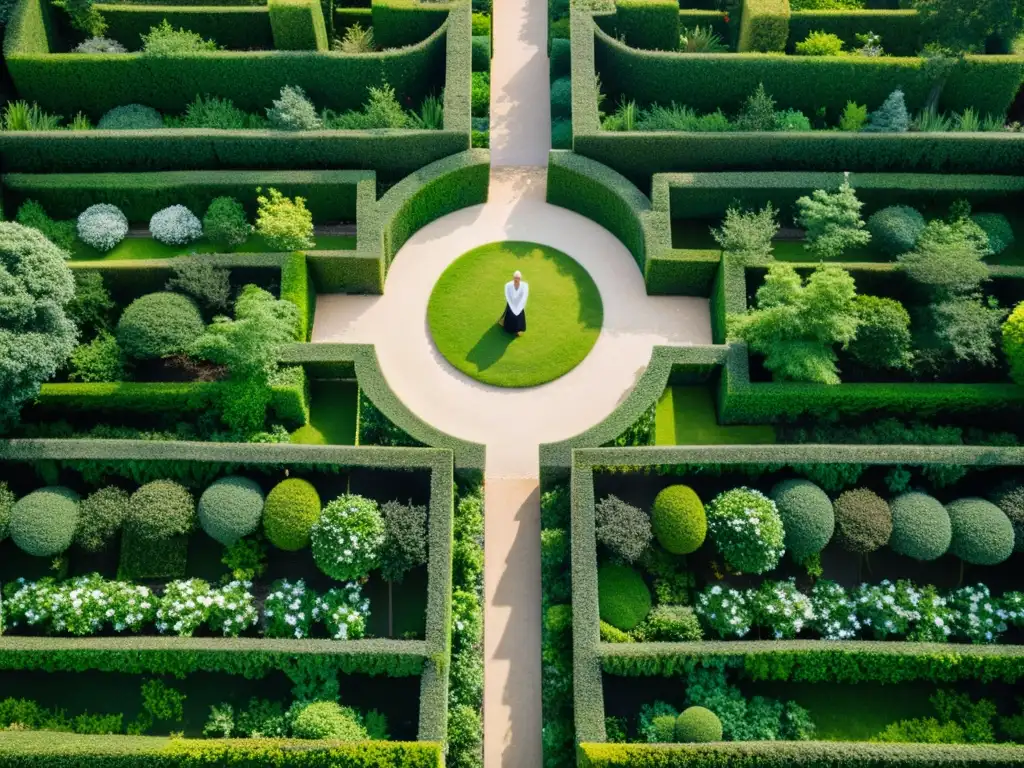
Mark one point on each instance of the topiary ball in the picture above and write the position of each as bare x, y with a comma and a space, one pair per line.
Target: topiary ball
329, 720
920, 526
982, 533
159, 325
44, 522
161, 509
348, 538
561, 98
7, 500
102, 226
998, 229
175, 225
747, 530
678, 520
895, 229
230, 509
290, 512
664, 727
863, 521
1009, 497
697, 725
131, 117
623, 598
807, 517
101, 516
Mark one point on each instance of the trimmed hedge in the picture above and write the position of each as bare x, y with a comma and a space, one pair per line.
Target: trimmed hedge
398, 23
650, 24
298, 25
297, 288
900, 30
241, 27
764, 25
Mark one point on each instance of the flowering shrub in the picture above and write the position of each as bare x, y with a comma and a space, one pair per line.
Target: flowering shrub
233, 609
976, 615
84, 605
289, 609
937, 618
100, 45
782, 608
175, 225
747, 530
27, 603
184, 607
344, 611
835, 615
725, 611
102, 226
887, 608
347, 538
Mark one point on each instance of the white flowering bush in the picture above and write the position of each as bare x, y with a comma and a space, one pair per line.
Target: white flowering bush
344, 611
81, 606
782, 608
233, 609
937, 618
289, 609
102, 226
888, 609
1013, 605
835, 612
27, 603
747, 529
978, 616
347, 538
725, 611
184, 607
175, 225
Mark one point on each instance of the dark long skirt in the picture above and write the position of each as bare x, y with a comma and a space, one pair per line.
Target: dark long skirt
513, 323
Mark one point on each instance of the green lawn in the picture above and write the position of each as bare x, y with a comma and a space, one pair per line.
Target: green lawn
563, 314
332, 415
147, 248
686, 416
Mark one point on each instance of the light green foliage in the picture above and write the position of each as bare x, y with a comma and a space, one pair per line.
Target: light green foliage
663, 728
960, 721
159, 325
832, 221
1013, 343
883, 334
610, 634
381, 110
226, 224
920, 526
947, 260
648, 714
754, 719
670, 623
854, 117
348, 537
286, 224
796, 324
99, 360
22, 116
998, 230
481, 24
230, 509
293, 111
863, 521
480, 94
698, 725
891, 117
820, 44
131, 117
291, 509
60, 233
748, 234
165, 40
701, 40
405, 539
758, 112
623, 598
747, 530
198, 278
356, 40
807, 517
895, 229
160, 702
43, 523
678, 519
36, 336
982, 533
431, 114
84, 17
622, 528
246, 559
962, 329
7, 500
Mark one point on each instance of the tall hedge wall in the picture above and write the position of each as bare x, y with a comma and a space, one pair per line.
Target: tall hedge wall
397, 23
900, 30
298, 25
235, 27
764, 25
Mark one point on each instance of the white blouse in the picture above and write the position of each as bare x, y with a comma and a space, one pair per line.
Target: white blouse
516, 298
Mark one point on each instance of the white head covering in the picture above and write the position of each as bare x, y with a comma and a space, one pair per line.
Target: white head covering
516, 274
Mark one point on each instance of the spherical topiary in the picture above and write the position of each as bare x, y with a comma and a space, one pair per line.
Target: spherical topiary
982, 533
622, 528
158, 325
175, 225
7, 500
100, 518
44, 522
159, 510
230, 509
100, 45
863, 521
920, 526
698, 725
998, 229
131, 117
895, 229
1009, 497
102, 226
678, 520
807, 517
561, 133
664, 727
328, 720
290, 512
348, 537
623, 597
747, 530
561, 98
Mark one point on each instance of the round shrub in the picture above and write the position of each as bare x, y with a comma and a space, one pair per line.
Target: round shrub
230, 509
623, 597
561, 98
895, 229
348, 537
290, 512
1013, 343
883, 333
998, 229
622, 528
697, 725
44, 522
225, 223
664, 727
7, 500
131, 117
920, 526
158, 325
982, 533
160, 510
678, 520
863, 521
100, 45
747, 530
807, 517
328, 720
102, 226
1009, 497
100, 518
175, 225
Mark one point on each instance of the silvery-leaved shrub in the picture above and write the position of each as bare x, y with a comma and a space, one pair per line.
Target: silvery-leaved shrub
102, 226
175, 225
100, 45
131, 117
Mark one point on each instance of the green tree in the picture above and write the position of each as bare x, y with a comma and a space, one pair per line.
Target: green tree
947, 260
832, 220
891, 117
797, 324
748, 234
968, 24
883, 336
284, 223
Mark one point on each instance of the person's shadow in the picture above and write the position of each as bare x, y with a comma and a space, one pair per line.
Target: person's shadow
489, 349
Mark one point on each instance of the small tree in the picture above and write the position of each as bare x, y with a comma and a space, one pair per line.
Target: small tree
891, 117
293, 111
748, 234
225, 223
1013, 344
758, 113
405, 544
285, 224
947, 261
832, 220
883, 335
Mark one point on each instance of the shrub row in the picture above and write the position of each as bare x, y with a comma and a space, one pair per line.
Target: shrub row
900, 30
240, 27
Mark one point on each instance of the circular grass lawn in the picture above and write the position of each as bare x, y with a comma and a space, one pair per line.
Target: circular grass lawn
563, 314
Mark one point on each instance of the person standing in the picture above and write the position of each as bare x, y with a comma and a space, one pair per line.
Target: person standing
513, 320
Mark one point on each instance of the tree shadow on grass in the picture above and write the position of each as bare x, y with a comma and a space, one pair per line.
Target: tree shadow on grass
490, 348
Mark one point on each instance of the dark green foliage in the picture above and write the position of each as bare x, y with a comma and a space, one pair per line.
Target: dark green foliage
670, 623
561, 58
622, 528
398, 23
764, 25
44, 522
298, 25
213, 113
561, 98
982, 533
7, 500
959, 330
60, 233
198, 278
230, 509
161, 515
758, 112
481, 54
807, 517
624, 598
100, 517
997, 228
697, 724
291, 509
225, 223
1009, 497
863, 521
561, 134
967, 25
883, 333
328, 720
650, 24
159, 325
91, 308
920, 526
132, 117
895, 229
481, 94
678, 520
405, 539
